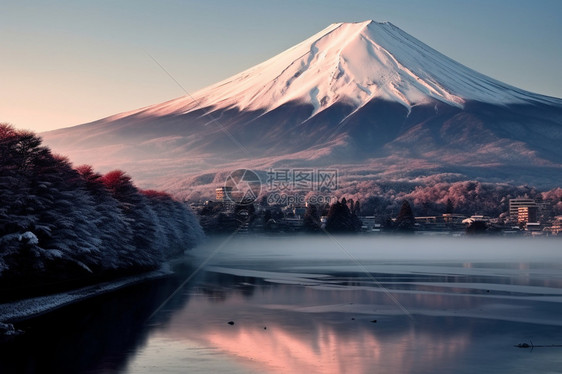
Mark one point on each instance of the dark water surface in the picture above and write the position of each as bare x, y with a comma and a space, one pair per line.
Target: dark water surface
300, 306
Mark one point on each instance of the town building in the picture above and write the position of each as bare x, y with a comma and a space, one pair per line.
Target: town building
515, 204
293, 223
369, 224
556, 227
527, 214
323, 222
447, 222
223, 194
452, 218
299, 211
475, 218
533, 228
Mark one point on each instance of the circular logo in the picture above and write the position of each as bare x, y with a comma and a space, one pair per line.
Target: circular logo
242, 186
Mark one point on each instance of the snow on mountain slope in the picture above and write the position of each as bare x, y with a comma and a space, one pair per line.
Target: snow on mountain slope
364, 94
352, 63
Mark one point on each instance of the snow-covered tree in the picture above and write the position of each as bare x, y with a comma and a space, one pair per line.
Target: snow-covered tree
59, 223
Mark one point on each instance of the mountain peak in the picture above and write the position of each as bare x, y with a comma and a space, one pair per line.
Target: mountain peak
359, 23
366, 98
352, 63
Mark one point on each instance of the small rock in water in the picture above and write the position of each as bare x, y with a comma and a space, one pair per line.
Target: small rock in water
374, 321
231, 323
265, 327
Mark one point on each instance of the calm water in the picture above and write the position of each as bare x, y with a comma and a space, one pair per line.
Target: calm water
341, 305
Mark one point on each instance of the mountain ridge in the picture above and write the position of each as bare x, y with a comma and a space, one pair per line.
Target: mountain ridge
363, 94
199, 98
364, 31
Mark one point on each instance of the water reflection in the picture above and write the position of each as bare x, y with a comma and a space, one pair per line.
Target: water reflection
305, 315
290, 328
284, 328
97, 335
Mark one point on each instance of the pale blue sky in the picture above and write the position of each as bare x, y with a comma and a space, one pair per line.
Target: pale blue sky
64, 63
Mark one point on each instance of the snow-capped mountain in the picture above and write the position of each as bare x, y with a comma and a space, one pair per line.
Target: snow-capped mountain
352, 63
362, 94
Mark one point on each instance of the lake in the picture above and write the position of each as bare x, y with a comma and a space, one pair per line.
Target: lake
365, 304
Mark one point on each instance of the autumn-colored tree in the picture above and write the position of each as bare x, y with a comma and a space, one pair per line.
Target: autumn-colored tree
60, 223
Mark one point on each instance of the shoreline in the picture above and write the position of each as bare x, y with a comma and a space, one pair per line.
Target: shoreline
20, 310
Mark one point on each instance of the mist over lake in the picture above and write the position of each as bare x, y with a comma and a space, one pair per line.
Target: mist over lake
318, 304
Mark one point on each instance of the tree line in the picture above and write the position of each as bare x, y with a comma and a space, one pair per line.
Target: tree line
59, 223
384, 199
342, 216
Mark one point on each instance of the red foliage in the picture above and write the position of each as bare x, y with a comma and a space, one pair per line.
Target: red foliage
85, 170
156, 194
116, 178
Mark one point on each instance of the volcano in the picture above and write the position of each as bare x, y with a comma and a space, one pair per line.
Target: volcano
366, 98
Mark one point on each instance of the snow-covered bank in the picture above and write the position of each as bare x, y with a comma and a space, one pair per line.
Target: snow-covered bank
59, 223
32, 307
